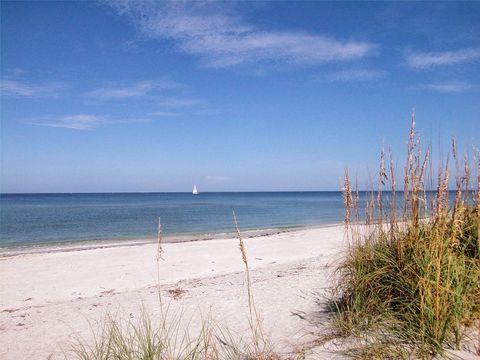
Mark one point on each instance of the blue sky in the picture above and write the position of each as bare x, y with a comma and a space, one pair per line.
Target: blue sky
250, 96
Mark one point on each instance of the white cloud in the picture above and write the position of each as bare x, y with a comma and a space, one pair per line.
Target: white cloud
449, 87
222, 39
27, 89
85, 121
355, 75
131, 91
422, 60
75, 122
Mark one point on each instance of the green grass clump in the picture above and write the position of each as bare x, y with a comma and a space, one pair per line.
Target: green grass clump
118, 339
410, 283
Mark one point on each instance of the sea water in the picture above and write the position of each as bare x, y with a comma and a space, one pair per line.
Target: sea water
47, 219
35, 219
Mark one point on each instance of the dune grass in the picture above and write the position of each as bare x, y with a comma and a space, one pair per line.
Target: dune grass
121, 339
409, 285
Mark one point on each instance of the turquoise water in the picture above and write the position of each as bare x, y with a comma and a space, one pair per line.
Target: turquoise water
39, 219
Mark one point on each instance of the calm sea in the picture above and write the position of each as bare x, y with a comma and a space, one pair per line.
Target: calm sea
30, 220
46, 219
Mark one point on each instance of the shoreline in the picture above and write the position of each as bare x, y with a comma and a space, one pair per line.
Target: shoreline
71, 246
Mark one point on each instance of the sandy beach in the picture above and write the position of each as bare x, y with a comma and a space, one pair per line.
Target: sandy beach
47, 298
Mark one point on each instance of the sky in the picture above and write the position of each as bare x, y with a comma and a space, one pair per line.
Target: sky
250, 96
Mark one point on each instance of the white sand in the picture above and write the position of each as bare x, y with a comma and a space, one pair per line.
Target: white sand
47, 297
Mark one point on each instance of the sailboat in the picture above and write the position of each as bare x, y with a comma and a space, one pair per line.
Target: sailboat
195, 191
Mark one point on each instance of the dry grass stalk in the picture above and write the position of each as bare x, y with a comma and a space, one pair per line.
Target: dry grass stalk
393, 199
356, 206
442, 194
243, 252
351, 200
457, 205
382, 177
347, 197
466, 171
260, 343
408, 167
414, 286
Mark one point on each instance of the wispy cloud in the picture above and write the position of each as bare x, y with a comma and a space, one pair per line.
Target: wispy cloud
355, 75
74, 122
452, 87
135, 90
222, 39
28, 89
84, 121
423, 60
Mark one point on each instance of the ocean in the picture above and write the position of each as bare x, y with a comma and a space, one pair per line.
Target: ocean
49, 219
39, 220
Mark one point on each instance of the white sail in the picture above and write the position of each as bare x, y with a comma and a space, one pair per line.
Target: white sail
195, 191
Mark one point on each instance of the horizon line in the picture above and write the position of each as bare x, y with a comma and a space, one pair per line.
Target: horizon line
189, 192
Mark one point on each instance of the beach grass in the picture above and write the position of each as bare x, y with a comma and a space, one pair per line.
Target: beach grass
409, 285
122, 339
